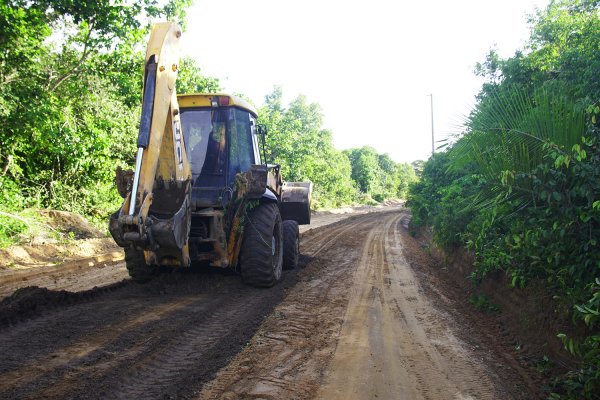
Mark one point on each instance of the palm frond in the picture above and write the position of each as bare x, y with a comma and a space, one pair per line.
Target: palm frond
510, 133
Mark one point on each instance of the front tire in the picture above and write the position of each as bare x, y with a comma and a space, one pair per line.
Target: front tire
261, 255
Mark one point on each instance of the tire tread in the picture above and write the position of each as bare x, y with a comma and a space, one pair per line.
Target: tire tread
290, 244
255, 255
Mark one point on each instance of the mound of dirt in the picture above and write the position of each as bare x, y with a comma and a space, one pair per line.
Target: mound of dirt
45, 254
63, 236
30, 300
66, 222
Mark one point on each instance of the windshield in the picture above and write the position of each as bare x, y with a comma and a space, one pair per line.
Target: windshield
220, 143
205, 133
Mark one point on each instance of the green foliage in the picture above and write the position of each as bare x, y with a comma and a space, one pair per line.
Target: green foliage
191, 80
418, 166
561, 50
70, 90
483, 303
297, 141
18, 226
520, 187
365, 168
305, 150
378, 175
509, 131
441, 198
405, 176
584, 381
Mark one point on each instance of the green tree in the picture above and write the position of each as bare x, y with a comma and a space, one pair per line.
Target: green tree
378, 175
366, 171
305, 150
405, 176
191, 80
70, 91
563, 49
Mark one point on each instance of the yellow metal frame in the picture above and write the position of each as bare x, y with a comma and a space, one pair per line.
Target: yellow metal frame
164, 159
205, 100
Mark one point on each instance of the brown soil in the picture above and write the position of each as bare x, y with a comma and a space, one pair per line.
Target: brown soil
366, 316
64, 236
67, 222
366, 321
530, 318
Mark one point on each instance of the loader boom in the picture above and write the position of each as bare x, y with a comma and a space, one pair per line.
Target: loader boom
156, 215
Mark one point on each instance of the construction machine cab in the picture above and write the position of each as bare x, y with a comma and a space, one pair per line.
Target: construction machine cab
221, 137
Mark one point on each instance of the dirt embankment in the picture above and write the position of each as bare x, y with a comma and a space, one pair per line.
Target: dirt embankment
528, 319
63, 236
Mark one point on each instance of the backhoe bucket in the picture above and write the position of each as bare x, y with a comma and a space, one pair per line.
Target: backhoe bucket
295, 201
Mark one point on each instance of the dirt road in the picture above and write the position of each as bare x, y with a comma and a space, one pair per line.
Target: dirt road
393, 343
355, 322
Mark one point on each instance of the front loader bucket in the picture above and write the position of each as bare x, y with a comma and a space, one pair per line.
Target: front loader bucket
295, 201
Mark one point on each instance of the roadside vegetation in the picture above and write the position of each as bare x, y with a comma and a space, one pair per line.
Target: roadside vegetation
520, 186
70, 95
296, 140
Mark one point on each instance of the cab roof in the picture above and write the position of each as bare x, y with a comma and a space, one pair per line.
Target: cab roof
209, 99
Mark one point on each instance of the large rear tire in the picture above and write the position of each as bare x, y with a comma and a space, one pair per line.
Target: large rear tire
291, 244
261, 256
137, 267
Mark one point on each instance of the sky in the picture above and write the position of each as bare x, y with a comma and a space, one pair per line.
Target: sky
370, 64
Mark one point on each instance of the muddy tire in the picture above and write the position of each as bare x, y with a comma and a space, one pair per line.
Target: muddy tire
261, 256
291, 244
138, 270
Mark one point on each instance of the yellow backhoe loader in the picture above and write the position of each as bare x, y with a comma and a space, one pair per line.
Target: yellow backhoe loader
200, 192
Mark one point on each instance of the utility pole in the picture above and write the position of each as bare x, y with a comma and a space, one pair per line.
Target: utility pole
432, 135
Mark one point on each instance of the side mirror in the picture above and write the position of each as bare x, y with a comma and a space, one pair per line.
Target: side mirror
262, 130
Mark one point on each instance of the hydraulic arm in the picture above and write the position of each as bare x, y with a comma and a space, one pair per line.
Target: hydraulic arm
155, 216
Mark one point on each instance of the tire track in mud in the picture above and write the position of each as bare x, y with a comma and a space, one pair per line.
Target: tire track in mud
394, 343
158, 340
81, 349
288, 356
168, 338
147, 378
